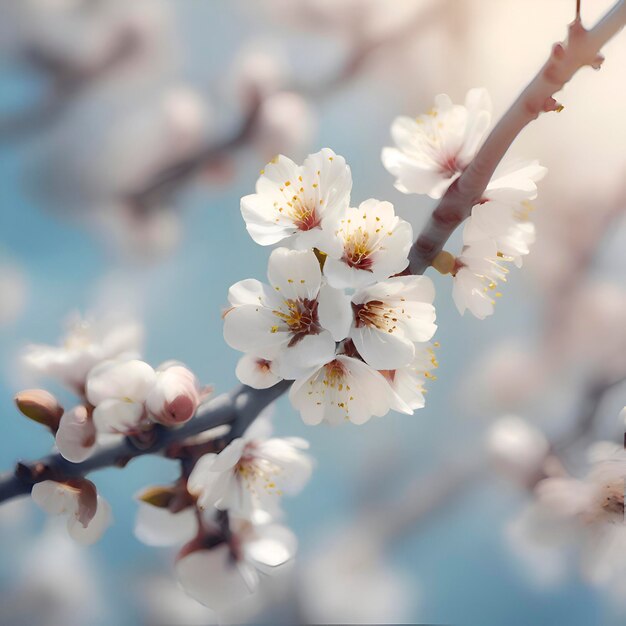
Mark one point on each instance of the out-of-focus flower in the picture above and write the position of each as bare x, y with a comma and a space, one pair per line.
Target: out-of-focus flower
389, 317
248, 477
76, 437
476, 278
348, 581
88, 515
175, 395
158, 526
587, 514
295, 202
87, 343
408, 382
118, 390
13, 294
367, 244
517, 448
286, 123
344, 389
287, 320
227, 573
433, 149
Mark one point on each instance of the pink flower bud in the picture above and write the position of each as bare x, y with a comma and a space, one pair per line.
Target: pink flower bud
175, 396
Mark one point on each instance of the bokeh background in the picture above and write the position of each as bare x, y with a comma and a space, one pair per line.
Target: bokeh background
97, 97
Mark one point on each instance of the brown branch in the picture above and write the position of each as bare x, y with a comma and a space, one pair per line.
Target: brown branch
581, 48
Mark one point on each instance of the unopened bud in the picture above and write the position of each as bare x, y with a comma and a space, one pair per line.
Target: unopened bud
40, 406
160, 497
444, 262
175, 397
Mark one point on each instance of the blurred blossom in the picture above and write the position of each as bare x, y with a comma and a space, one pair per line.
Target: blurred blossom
56, 583
348, 581
13, 293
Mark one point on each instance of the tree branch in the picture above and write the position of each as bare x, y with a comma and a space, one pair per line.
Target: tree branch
582, 48
238, 408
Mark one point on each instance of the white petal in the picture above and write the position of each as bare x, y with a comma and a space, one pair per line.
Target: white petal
55, 498
213, 578
120, 379
96, 527
335, 312
272, 546
295, 274
257, 372
76, 437
310, 351
382, 350
117, 416
157, 526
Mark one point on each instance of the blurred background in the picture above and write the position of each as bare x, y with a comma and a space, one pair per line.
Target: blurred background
129, 132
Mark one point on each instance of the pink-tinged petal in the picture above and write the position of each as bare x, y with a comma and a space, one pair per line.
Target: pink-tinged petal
76, 437
96, 527
257, 372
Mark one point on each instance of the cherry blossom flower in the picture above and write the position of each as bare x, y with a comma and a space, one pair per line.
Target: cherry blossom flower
368, 243
76, 437
343, 389
408, 382
515, 181
228, 572
294, 202
87, 343
506, 225
476, 278
389, 317
248, 477
118, 390
293, 320
583, 513
88, 515
433, 149
175, 395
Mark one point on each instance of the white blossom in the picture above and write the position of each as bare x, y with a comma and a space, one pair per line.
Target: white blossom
257, 372
389, 317
343, 389
250, 475
158, 526
86, 344
367, 244
88, 515
515, 182
294, 202
293, 319
475, 280
433, 149
118, 390
229, 572
408, 382
175, 395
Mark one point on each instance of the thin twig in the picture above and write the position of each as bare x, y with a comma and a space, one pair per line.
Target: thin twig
582, 48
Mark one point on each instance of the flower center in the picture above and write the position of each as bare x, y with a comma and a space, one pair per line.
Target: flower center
357, 249
253, 471
304, 217
375, 314
301, 318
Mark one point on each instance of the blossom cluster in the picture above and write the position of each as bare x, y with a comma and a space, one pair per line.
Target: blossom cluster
118, 395
432, 151
224, 517
339, 316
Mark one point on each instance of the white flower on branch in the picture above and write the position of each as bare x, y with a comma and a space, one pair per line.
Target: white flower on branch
175, 395
87, 343
228, 572
434, 148
118, 390
408, 382
294, 319
475, 280
257, 372
250, 475
344, 389
367, 244
88, 515
389, 317
294, 202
